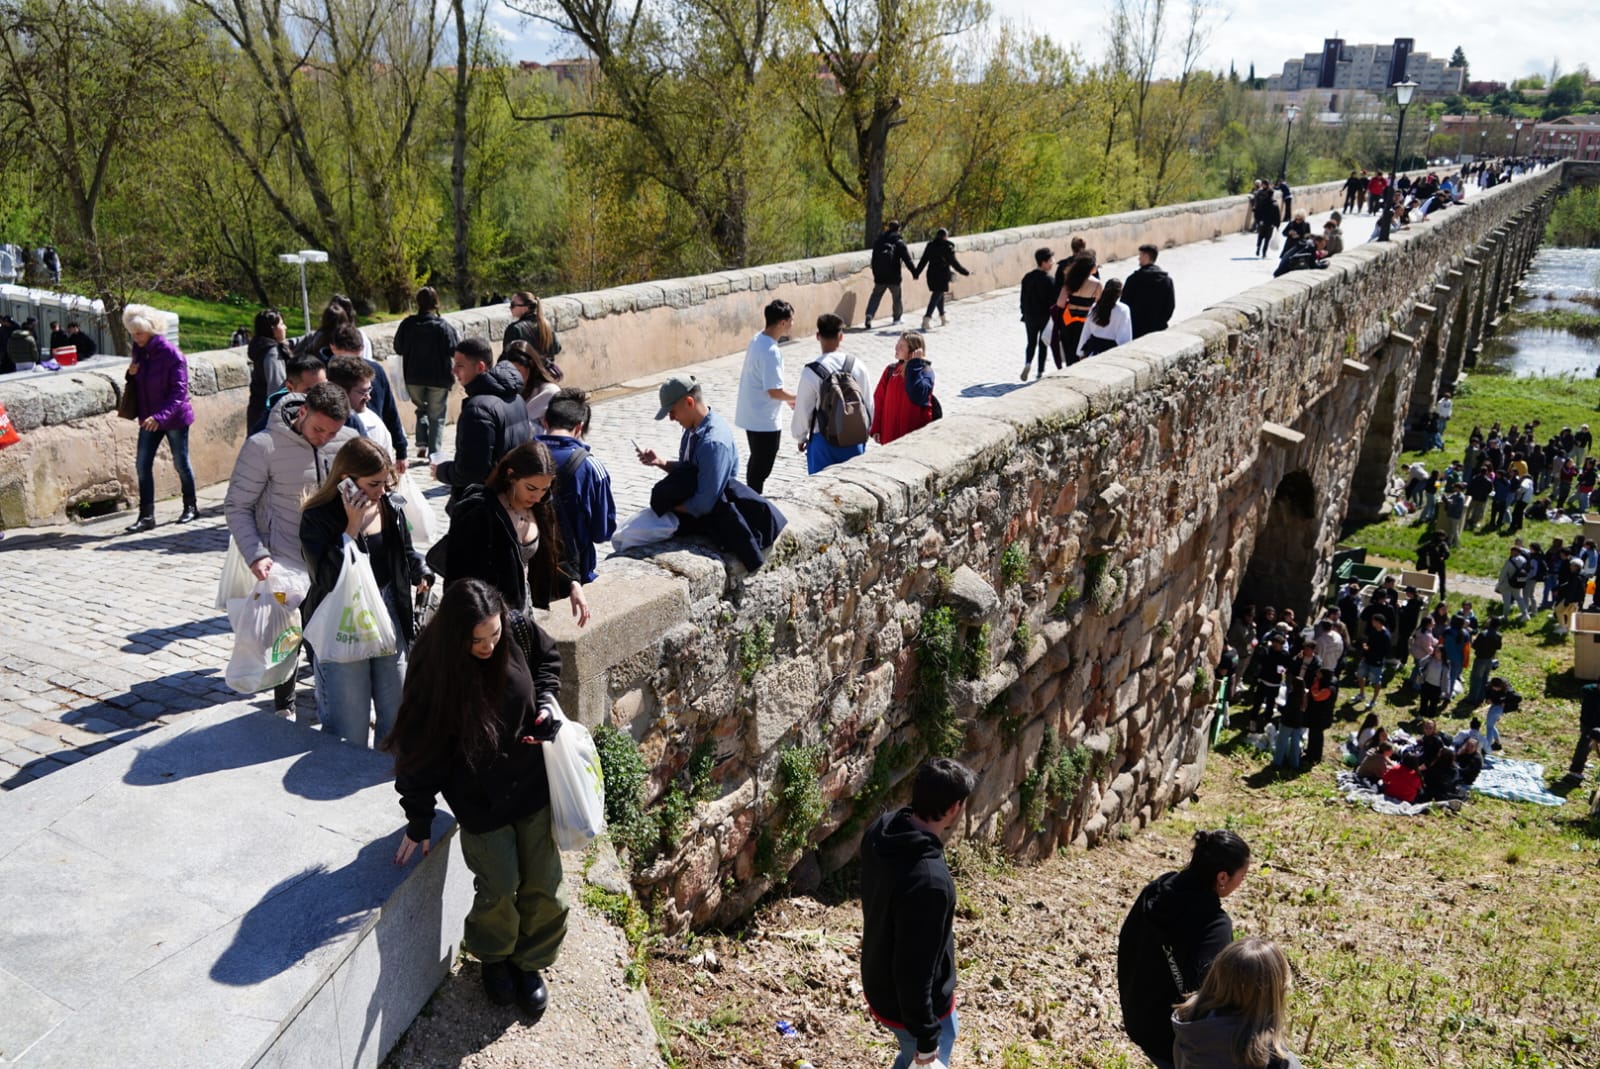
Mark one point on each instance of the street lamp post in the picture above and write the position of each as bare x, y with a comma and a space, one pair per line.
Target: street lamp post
1291, 111
303, 257
1516, 137
1402, 94
1428, 149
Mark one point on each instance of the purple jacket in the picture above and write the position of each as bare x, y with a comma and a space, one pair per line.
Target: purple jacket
162, 384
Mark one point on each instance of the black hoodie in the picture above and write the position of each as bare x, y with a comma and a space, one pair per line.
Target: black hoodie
493, 422
1175, 913
908, 907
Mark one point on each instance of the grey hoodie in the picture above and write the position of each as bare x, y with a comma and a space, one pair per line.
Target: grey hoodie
1208, 1044
275, 470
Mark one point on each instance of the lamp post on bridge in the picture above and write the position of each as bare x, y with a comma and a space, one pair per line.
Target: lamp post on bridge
1402, 94
1291, 111
1516, 137
303, 257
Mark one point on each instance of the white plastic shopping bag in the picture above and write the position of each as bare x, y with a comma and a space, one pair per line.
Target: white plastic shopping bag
266, 631
1049, 331
236, 581
418, 515
352, 623
577, 786
643, 528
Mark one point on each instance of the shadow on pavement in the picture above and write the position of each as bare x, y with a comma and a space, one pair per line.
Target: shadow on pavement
159, 637
179, 540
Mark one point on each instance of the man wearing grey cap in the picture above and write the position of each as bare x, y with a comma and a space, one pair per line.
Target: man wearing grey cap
707, 443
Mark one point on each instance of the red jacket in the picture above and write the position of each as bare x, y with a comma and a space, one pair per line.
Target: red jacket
893, 413
1402, 783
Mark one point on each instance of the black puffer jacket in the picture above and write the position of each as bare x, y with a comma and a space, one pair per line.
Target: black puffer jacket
483, 545
425, 342
494, 421
527, 329
1173, 913
889, 252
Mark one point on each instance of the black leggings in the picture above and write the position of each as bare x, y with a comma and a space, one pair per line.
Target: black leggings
1036, 342
935, 303
1263, 238
763, 451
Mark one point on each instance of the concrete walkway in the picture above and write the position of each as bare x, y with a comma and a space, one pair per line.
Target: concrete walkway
103, 635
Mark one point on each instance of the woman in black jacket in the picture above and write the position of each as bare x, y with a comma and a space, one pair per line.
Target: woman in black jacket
1176, 928
349, 693
938, 259
479, 701
505, 533
531, 326
269, 364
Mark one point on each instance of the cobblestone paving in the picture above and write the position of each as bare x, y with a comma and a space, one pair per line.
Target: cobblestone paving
103, 635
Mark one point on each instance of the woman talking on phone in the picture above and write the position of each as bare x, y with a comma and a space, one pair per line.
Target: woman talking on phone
354, 506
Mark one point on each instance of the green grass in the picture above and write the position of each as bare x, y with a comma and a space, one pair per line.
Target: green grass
1479, 401
204, 325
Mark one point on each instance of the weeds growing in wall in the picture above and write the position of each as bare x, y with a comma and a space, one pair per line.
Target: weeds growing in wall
641, 833
800, 808
1014, 563
1056, 775
755, 650
938, 658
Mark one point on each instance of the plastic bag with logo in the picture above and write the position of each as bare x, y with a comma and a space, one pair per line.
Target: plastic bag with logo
266, 631
352, 623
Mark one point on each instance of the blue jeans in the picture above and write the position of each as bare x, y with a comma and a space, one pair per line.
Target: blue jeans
432, 404
908, 1043
1491, 722
145, 463
1479, 679
1286, 750
819, 454
351, 694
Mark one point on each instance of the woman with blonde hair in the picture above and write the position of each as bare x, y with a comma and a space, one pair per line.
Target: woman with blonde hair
1236, 1020
531, 326
350, 693
158, 375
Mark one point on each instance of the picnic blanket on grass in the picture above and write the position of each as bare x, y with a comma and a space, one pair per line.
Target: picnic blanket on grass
1514, 781
1365, 792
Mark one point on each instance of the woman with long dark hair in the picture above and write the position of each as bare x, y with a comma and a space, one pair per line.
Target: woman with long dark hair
479, 700
1079, 289
1176, 927
530, 325
269, 363
350, 695
1109, 324
505, 533
541, 378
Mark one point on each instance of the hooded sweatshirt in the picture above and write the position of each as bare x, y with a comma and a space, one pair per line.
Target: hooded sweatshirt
908, 906
1208, 1044
493, 422
1176, 912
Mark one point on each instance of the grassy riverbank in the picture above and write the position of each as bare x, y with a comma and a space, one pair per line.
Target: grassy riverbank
1552, 403
1459, 940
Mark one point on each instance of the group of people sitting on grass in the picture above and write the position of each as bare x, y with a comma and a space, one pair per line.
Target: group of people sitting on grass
1504, 478
1429, 767
1294, 673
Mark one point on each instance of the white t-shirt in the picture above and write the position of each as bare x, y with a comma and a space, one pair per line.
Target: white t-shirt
375, 429
757, 409
805, 404
538, 402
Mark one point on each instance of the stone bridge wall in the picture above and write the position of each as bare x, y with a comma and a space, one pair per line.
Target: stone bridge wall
1042, 585
75, 450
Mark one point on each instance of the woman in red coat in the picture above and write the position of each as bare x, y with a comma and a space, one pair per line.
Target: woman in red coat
903, 400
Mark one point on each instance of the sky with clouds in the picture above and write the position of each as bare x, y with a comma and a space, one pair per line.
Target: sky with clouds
1503, 40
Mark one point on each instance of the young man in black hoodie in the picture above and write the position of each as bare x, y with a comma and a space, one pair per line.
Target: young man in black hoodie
1038, 296
908, 905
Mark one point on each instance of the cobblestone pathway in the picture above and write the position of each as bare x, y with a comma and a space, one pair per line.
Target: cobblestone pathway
104, 634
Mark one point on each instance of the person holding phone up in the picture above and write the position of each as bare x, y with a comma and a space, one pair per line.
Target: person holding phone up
354, 505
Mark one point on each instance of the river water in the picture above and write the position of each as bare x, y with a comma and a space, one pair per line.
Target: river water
1555, 280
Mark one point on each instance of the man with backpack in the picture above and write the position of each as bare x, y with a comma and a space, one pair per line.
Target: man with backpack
888, 253
833, 402
585, 509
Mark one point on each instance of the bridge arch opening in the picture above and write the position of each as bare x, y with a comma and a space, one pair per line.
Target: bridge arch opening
1370, 482
1283, 566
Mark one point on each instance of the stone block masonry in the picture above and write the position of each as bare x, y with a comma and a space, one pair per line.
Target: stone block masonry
1040, 587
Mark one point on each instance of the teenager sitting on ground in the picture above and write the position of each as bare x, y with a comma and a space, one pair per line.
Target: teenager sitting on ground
1442, 783
1377, 760
1403, 782
1469, 762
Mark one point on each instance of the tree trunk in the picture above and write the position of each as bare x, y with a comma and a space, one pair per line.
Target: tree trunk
458, 155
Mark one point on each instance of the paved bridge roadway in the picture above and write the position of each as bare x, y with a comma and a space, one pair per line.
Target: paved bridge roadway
106, 634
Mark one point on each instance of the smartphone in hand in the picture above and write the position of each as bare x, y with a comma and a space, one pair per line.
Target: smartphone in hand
350, 491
